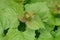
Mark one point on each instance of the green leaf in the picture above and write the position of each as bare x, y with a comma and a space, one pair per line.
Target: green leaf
34, 1
49, 27
1, 38
41, 9
29, 34
16, 6
8, 18
57, 21
57, 36
9, 10
35, 24
45, 36
1, 29
14, 34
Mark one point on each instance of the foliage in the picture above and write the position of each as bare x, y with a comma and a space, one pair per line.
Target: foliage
29, 20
